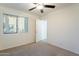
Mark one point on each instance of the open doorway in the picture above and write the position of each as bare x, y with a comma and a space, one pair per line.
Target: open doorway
41, 30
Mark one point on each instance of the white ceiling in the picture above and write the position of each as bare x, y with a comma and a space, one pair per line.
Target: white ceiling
26, 6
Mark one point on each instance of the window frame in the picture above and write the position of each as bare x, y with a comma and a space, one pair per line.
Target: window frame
17, 20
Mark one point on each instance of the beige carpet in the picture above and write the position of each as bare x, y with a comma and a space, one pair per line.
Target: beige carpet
37, 49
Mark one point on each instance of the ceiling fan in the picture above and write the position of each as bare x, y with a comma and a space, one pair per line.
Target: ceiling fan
41, 6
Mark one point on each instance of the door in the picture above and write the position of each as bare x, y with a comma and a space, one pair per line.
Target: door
41, 30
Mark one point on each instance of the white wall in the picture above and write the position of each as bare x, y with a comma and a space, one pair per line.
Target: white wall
63, 28
13, 40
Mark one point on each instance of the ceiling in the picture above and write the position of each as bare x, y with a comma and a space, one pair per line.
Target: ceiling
26, 6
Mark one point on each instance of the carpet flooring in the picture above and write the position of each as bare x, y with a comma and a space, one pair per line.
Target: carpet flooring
37, 49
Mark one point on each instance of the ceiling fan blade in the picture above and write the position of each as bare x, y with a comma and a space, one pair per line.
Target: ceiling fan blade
49, 6
42, 11
32, 9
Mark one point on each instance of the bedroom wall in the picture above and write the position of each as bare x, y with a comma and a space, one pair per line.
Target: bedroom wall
63, 28
13, 40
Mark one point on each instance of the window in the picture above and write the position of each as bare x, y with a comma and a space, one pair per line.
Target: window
23, 24
14, 24
9, 24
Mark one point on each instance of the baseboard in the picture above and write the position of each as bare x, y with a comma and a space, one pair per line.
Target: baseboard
62, 48
17, 46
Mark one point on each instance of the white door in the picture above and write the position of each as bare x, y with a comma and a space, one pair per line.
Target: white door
41, 30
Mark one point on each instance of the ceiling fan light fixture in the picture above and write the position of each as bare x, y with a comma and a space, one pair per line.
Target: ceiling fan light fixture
40, 7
